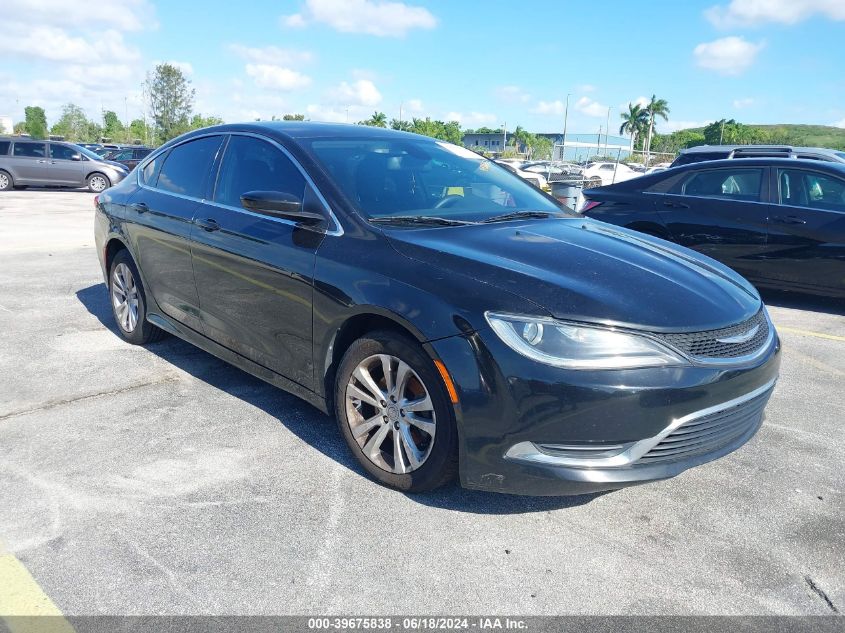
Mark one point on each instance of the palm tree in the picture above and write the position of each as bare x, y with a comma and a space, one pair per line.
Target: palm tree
655, 108
634, 122
379, 119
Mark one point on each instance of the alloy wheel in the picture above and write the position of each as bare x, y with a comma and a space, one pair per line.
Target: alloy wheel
4, 181
124, 297
98, 183
390, 413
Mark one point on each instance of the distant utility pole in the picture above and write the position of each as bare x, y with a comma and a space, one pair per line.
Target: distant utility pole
598, 142
606, 130
504, 136
721, 131
565, 120
400, 114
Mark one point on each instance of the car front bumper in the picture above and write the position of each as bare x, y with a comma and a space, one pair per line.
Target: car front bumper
528, 428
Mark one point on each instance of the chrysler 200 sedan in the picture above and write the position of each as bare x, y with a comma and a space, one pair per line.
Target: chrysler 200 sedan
453, 318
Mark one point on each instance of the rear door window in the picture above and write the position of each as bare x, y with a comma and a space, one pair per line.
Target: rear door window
729, 184
187, 168
813, 190
30, 150
62, 152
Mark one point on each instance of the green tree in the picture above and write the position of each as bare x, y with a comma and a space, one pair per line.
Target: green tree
36, 121
171, 100
198, 121
293, 117
138, 131
73, 124
112, 126
656, 108
634, 122
396, 124
20, 127
379, 119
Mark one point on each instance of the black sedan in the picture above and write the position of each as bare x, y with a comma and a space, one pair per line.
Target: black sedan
779, 222
452, 317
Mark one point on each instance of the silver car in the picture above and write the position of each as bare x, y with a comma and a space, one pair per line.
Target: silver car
27, 162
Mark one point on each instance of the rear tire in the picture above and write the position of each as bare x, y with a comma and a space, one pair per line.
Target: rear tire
97, 182
6, 181
128, 302
401, 428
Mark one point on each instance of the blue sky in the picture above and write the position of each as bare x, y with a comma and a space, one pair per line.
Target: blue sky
483, 63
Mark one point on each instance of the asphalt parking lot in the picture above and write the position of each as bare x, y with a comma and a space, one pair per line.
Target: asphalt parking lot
163, 481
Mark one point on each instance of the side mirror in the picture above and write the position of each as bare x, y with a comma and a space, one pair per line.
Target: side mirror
76, 157
279, 204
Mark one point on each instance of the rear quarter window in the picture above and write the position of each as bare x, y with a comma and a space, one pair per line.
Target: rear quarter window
4, 147
36, 150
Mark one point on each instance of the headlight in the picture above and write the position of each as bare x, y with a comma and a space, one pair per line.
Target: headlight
579, 346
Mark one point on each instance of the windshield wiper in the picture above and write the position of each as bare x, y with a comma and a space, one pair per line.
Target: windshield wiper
518, 215
418, 219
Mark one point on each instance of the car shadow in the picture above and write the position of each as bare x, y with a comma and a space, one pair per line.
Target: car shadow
798, 301
310, 424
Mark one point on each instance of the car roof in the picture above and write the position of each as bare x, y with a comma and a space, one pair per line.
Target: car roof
698, 149
296, 130
763, 161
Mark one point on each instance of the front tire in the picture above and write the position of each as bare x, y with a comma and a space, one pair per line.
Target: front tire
394, 413
128, 302
6, 181
97, 183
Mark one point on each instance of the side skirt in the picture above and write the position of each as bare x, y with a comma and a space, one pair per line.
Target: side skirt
233, 358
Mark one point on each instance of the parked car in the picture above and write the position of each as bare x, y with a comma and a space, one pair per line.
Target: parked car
719, 152
779, 222
538, 180
105, 150
451, 316
51, 164
129, 156
600, 174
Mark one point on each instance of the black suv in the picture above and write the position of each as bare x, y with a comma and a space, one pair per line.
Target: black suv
129, 156
720, 152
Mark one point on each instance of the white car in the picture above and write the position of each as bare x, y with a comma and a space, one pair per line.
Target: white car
608, 173
538, 180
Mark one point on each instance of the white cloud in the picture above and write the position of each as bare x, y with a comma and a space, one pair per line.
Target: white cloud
186, 67
756, 12
640, 101
361, 92
512, 94
336, 114
277, 77
125, 15
272, 55
745, 102
586, 88
413, 106
58, 45
373, 17
839, 123
473, 119
549, 108
728, 56
294, 21
587, 106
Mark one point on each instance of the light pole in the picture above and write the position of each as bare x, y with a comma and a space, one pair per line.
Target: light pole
504, 136
565, 121
606, 130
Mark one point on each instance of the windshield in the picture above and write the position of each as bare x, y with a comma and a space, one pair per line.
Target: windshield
408, 177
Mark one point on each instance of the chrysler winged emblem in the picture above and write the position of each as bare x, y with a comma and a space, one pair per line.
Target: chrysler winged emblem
740, 338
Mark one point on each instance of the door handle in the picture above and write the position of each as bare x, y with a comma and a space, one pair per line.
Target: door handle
140, 207
42, 161
208, 224
789, 219
675, 205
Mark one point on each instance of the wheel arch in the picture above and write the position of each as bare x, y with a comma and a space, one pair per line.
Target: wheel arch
113, 246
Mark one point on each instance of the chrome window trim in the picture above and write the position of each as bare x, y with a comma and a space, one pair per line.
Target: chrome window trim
686, 195
529, 452
336, 231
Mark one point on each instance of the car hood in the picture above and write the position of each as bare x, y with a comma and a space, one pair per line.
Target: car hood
585, 270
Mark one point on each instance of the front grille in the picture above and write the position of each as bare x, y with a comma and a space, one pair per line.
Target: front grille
710, 432
706, 345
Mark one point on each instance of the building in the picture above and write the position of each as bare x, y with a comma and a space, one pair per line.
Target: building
578, 146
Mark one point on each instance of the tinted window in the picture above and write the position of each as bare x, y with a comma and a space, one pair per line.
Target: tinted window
251, 164
809, 189
187, 167
30, 149
141, 153
62, 152
125, 154
4, 147
149, 175
730, 184
386, 177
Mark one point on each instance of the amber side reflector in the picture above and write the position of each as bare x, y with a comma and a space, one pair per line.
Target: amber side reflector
450, 386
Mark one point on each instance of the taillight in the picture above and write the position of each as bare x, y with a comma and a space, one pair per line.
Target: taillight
590, 204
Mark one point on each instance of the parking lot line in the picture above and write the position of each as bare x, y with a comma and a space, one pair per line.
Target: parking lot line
792, 330
23, 604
